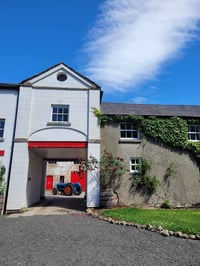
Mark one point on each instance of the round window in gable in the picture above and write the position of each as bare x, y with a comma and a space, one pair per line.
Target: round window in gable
61, 77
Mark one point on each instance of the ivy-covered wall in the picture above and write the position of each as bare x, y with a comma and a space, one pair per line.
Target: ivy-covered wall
172, 131
174, 160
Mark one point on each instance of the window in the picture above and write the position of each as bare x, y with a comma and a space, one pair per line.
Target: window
62, 179
60, 113
134, 163
127, 131
61, 77
2, 125
194, 133
52, 162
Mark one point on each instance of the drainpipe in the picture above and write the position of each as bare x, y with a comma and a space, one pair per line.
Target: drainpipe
11, 157
88, 119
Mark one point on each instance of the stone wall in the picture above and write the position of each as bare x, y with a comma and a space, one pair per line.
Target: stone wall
182, 188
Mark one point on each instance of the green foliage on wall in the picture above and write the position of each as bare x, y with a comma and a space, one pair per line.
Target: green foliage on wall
172, 131
2, 180
145, 183
171, 172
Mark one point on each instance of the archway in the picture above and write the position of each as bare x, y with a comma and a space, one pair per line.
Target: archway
43, 152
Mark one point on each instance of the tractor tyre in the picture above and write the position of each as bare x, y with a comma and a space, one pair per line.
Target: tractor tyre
77, 188
54, 191
68, 190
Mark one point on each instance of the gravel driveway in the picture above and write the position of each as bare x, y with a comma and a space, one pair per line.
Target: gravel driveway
73, 238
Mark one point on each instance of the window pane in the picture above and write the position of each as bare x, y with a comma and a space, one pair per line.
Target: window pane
2, 124
122, 126
54, 117
60, 110
135, 134
65, 117
128, 126
65, 110
123, 134
128, 134
192, 128
198, 129
137, 161
54, 110
59, 117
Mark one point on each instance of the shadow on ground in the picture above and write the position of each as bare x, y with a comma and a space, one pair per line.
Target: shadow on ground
76, 203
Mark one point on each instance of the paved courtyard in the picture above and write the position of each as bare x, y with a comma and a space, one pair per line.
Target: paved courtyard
59, 233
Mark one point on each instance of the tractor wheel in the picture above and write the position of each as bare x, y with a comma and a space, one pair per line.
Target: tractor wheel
68, 190
54, 191
77, 188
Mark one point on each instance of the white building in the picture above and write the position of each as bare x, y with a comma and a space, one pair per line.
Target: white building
47, 117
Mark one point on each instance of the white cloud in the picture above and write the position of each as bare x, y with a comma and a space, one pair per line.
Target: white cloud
139, 99
132, 39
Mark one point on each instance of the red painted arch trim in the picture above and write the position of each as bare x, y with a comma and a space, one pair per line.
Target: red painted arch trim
2, 152
57, 144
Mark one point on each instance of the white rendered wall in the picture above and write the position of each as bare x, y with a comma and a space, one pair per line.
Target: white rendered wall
17, 197
34, 124
94, 127
93, 179
50, 80
42, 100
35, 175
57, 134
8, 102
23, 115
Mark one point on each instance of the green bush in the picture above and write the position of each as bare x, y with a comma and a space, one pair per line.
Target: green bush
111, 169
166, 205
2, 180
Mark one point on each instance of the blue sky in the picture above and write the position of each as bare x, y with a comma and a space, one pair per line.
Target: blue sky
145, 51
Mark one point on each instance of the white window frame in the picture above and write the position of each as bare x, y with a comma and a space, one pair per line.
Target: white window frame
60, 116
194, 133
2, 127
134, 162
128, 132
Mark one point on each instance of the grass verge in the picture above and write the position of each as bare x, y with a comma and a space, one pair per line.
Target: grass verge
186, 221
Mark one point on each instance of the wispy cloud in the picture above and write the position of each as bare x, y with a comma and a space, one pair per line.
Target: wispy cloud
132, 40
139, 99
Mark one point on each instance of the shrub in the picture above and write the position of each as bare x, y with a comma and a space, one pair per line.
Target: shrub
145, 183
166, 205
2, 180
111, 169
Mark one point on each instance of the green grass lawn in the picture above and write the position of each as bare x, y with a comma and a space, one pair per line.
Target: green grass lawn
186, 221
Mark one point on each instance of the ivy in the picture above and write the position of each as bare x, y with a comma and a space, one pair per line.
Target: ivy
145, 183
172, 131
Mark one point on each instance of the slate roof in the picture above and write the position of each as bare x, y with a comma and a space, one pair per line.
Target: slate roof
150, 109
9, 86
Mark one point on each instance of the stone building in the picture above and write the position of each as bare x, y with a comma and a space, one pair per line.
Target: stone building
49, 117
175, 168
